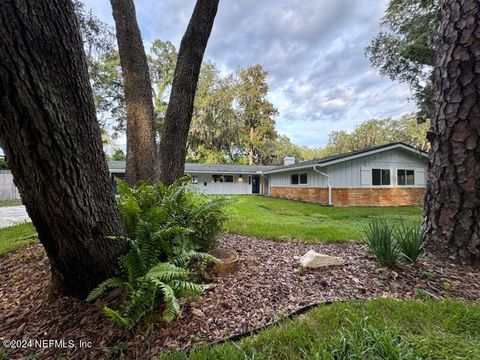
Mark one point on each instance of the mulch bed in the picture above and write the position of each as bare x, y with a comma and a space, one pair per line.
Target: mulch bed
267, 286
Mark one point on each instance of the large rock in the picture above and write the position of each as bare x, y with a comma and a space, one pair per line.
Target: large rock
314, 260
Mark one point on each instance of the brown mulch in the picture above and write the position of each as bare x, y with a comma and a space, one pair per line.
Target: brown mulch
268, 285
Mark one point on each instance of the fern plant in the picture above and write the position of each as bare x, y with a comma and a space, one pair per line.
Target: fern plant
149, 281
174, 204
164, 225
163, 283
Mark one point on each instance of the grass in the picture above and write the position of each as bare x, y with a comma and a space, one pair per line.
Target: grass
6, 203
281, 219
375, 329
16, 236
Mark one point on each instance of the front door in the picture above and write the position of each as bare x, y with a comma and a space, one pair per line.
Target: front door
255, 184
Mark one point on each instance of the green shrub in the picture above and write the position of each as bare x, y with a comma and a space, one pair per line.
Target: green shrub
379, 238
165, 225
158, 204
410, 241
148, 281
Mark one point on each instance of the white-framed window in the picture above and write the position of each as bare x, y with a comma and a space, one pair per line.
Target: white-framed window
294, 179
405, 177
299, 179
381, 177
303, 178
194, 179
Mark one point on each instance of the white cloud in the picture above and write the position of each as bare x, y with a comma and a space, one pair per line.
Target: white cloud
313, 50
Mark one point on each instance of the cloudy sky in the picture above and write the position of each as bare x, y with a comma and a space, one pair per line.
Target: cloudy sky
319, 78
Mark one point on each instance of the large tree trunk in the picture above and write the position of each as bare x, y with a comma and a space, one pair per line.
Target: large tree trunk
173, 142
250, 150
452, 203
141, 148
50, 134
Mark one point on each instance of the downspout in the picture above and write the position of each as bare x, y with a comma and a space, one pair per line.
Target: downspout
268, 188
329, 185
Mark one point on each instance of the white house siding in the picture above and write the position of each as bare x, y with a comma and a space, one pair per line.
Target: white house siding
8, 190
207, 186
347, 174
314, 179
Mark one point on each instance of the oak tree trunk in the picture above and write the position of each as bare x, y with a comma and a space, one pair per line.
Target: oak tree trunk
452, 203
173, 142
51, 137
141, 148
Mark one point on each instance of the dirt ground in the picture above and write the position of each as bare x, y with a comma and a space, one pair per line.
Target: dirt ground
267, 286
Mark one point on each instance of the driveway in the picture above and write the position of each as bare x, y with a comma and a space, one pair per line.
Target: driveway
12, 214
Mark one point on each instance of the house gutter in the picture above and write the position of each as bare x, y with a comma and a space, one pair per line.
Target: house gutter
329, 185
268, 188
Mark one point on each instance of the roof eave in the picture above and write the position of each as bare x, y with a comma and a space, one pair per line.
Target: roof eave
255, 172
350, 157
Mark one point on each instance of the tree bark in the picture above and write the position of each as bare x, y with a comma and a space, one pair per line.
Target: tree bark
452, 203
141, 147
50, 134
250, 151
173, 142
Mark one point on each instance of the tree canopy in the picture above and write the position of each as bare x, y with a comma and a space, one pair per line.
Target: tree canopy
378, 132
404, 49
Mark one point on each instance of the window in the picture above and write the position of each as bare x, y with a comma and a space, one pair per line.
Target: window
222, 178
294, 179
303, 178
217, 178
194, 179
405, 177
380, 177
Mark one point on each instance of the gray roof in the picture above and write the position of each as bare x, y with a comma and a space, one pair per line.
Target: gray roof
329, 158
208, 168
226, 168
253, 169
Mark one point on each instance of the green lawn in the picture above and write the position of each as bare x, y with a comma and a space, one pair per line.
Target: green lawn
281, 219
376, 329
16, 236
10, 203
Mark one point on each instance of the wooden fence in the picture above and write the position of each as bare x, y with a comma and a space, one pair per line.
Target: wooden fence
8, 190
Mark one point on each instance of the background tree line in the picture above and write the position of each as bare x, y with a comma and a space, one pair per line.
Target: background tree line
233, 121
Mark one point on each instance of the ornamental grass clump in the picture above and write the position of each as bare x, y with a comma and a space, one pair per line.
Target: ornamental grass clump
379, 238
393, 244
410, 241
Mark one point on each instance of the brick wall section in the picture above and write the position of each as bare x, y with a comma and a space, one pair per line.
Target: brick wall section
315, 195
353, 196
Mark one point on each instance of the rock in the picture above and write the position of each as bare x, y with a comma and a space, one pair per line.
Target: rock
314, 260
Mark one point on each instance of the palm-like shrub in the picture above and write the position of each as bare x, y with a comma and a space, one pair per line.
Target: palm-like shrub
379, 238
148, 281
165, 225
174, 204
410, 241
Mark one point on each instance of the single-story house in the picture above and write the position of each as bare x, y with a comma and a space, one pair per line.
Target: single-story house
225, 179
388, 175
